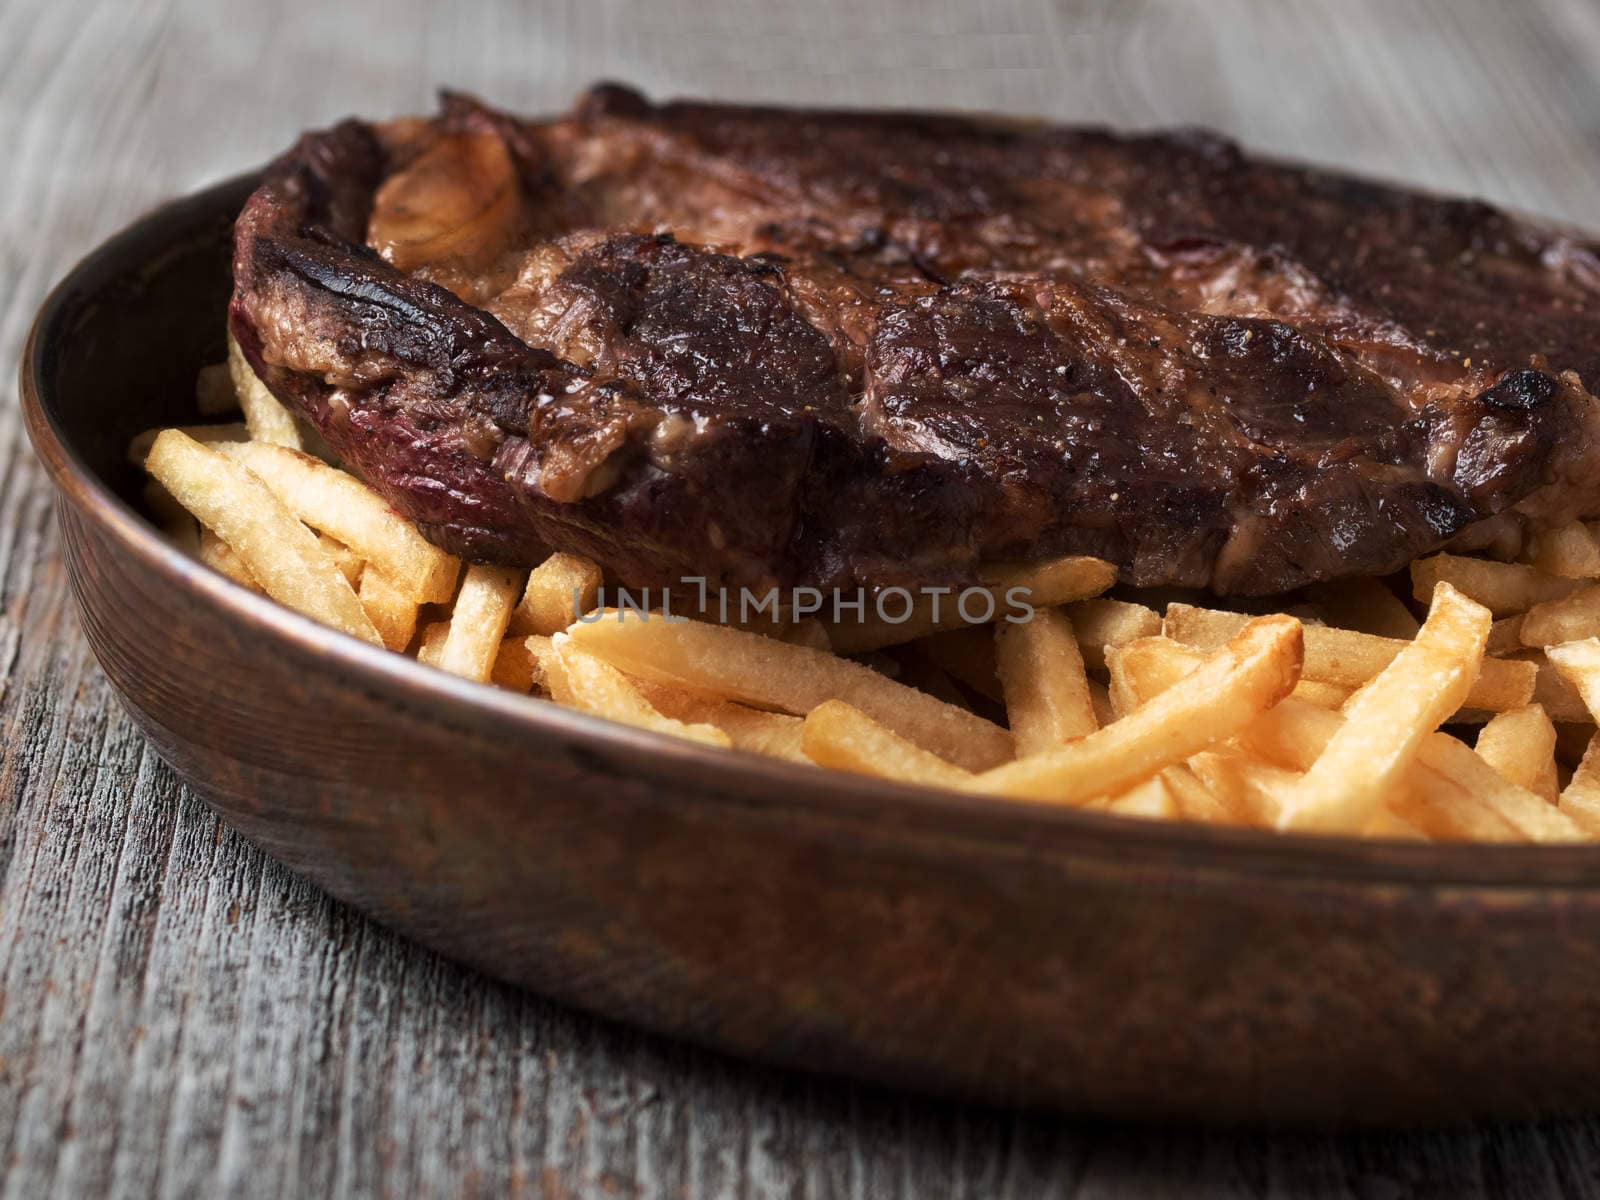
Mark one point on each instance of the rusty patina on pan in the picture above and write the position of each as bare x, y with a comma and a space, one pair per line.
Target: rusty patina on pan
984, 948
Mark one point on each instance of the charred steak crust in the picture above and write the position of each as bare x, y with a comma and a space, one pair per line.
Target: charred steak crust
825, 348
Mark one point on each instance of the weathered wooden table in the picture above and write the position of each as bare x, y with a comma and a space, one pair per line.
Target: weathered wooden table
180, 1016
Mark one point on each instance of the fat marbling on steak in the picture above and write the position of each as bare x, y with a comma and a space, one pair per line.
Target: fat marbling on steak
838, 348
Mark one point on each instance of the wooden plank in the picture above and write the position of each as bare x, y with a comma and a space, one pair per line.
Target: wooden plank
180, 1016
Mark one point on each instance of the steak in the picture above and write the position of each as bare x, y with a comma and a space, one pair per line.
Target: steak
771, 347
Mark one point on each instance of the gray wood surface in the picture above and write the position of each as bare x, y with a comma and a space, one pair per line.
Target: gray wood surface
179, 1016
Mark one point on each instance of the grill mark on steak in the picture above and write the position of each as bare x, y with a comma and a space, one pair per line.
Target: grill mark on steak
770, 347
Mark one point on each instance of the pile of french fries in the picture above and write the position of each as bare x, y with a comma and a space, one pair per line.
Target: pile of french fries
1346, 715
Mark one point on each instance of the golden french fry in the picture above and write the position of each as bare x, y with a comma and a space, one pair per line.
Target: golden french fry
1150, 800
1046, 691
343, 507
479, 619
1521, 746
1569, 551
1365, 606
1102, 622
1142, 669
279, 551
1530, 815
1350, 659
1580, 799
1215, 701
1012, 589
766, 673
777, 735
1250, 789
560, 590
1387, 720
346, 559
582, 681
517, 664
269, 421
430, 646
1445, 810
220, 556
207, 435
392, 612
1569, 619
1192, 799
213, 390
1503, 588
1579, 664
839, 735
1324, 695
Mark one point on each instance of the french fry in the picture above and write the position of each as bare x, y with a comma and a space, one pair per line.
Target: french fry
1569, 551
1012, 589
1388, 719
269, 421
582, 681
1142, 669
391, 611
1101, 622
430, 646
839, 735
1521, 746
1580, 799
1323, 695
1192, 799
777, 735
1531, 816
1579, 665
220, 556
1503, 588
479, 619
1350, 659
1365, 606
280, 552
207, 435
343, 507
1445, 810
560, 590
1248, 788
1215, 701
766, 673
1150, 800
213, 390
346, 559
518, 663
1569, 619
1294, 735
1046, 691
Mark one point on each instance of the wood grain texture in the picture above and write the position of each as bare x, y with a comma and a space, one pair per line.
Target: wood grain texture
179, 1016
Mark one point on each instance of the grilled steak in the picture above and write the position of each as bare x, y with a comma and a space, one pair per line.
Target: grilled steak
782, 347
